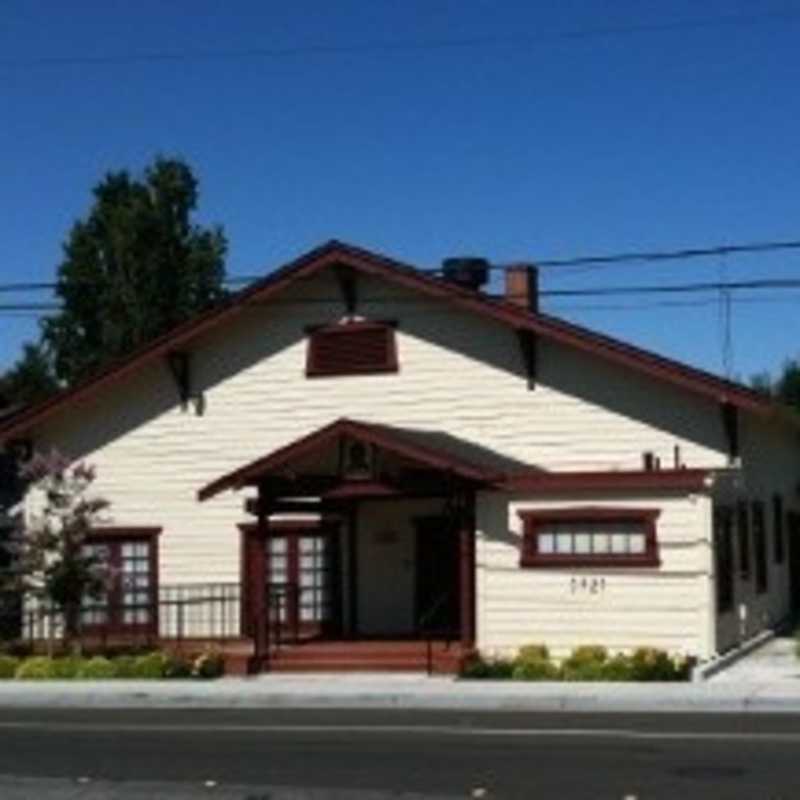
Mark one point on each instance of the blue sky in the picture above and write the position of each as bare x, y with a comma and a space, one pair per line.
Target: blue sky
563, 146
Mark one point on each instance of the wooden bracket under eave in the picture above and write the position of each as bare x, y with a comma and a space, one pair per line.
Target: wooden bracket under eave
179, 366
730, 424
346, 276
528, 346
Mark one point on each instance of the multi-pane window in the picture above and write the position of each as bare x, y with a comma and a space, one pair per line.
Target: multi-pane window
129, 599
743, 534
723, 558
777, 527
760, 546
589, 537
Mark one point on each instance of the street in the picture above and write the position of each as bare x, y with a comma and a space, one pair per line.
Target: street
253, 754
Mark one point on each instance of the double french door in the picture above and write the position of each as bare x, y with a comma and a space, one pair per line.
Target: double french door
303, 587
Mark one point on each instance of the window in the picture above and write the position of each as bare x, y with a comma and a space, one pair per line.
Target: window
130, 602
354, 348
760, 546
743, 533
777, 527
723, 558
590, 537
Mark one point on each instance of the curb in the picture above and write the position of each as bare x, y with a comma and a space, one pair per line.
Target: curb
483, 696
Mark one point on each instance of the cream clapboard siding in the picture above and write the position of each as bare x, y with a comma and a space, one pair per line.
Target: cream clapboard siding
664, 606
460, 374
770, 464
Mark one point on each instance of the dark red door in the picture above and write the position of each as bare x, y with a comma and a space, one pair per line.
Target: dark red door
303, 587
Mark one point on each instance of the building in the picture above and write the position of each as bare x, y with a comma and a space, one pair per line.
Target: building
351, 458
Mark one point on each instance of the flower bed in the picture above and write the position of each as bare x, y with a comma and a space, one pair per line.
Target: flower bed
146, 666
587, 663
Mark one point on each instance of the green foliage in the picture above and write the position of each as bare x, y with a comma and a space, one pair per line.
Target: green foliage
785, 388
124, 666
535, 670
152, 666
97, 668
35, 668
495, 668
30, 380
67, 667
587, 663
8, 666
533, 652
133, 268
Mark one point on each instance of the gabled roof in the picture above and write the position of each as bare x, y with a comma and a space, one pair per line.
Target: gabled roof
369, 263
408, 444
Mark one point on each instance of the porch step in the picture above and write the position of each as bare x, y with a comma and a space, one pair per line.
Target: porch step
366, 657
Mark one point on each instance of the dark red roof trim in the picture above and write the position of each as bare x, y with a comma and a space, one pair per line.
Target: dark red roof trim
401, 274
685, 480
124, 532
379, 435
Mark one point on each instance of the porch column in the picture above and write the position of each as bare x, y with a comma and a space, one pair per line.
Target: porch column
352, 569
258, 586
466, 535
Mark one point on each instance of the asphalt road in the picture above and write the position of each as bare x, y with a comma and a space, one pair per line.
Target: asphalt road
246, 754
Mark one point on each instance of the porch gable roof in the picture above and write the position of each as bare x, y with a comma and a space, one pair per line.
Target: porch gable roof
431, 449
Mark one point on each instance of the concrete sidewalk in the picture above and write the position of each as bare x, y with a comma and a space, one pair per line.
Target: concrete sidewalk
407, 692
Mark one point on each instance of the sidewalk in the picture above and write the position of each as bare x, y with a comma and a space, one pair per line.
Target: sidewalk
409, 692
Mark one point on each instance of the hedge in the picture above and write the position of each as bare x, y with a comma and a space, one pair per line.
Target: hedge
586, 663
148, 666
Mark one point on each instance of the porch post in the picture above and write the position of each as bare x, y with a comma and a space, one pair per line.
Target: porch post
466, 549
258, 585
352, 569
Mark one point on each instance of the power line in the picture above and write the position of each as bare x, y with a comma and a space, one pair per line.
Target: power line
519, 41
597, 291
609, 259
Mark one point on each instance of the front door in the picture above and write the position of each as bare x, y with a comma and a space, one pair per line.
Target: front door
437, 576
302, 572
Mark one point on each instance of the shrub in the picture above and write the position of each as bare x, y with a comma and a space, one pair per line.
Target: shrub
617, 668
97, 668
8, 666
586, 663
651, 664
176, 666
496, 668
151, 666
532, 669
210, 664
533, 652
35, 668
124, 666
67, 668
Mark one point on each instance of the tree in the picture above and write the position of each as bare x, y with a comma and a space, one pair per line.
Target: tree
135, 267
30, 380
785, 388
47, 555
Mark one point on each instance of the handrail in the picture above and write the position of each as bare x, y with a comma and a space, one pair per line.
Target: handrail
426, 617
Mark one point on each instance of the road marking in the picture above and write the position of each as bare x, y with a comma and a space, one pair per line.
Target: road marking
446, 730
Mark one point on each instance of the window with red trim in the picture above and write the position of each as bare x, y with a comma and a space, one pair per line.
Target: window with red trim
590, 537
354, 348
130, 602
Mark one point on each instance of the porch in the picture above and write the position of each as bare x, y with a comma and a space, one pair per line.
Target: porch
362, 551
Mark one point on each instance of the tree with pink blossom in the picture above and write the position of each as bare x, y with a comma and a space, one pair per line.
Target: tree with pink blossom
50, 562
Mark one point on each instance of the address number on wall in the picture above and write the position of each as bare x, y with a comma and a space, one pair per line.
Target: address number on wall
587, 585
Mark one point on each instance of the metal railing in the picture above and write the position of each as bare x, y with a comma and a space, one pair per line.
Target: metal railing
432, 634
208, 611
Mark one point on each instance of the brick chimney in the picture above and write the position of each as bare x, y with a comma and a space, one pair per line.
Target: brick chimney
522, 286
